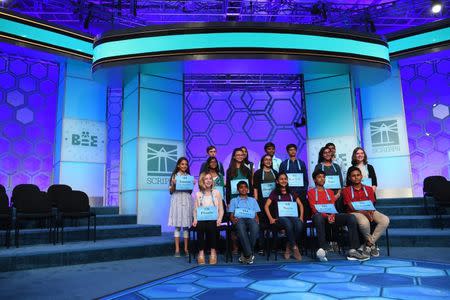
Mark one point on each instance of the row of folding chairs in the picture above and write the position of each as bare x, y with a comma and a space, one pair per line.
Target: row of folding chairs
308, 245
51, 209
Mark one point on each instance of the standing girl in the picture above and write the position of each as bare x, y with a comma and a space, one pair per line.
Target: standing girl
359, 159
208, 213
247, 163
332, 171
212, 167
180, 213
237, 171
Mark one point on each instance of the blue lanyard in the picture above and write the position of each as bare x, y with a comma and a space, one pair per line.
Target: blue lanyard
298, 165
332, 164
317, 195
212, 199
365, 192
292, 198
263, 173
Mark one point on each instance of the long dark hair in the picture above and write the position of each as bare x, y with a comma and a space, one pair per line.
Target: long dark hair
354, 162
246, 161
278, 186
321, 159
232, 169
261, 163
208, 168
188, 170
348, 182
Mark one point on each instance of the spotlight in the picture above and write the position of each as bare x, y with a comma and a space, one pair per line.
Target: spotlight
436, 6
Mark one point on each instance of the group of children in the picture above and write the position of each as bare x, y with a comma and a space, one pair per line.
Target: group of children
277, 196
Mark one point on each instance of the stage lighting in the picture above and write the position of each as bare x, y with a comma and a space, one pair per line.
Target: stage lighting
436, 6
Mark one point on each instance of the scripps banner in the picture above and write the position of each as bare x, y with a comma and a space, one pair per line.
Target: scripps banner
385, 137
157, 160
83, 141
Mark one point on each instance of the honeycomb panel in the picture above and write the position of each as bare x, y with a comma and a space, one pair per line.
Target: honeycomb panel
426, 87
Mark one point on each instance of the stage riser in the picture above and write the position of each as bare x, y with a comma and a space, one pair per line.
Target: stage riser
101, 221
416, 241
46, 260
106, 210
400, 201
410, 210
72, 234
426, 222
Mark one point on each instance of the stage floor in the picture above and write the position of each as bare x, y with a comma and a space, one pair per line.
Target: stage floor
382, 278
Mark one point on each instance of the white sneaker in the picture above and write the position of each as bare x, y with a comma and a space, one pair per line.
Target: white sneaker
321, 255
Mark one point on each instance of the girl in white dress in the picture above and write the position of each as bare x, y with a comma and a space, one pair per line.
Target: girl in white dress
181, 208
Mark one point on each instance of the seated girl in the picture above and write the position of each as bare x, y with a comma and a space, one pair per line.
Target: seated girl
284, 208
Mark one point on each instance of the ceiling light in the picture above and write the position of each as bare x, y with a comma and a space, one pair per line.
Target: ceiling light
436, 6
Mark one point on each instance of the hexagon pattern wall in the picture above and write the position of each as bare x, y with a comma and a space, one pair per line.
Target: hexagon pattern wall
426, 94
230, 119
28, 96
114, 121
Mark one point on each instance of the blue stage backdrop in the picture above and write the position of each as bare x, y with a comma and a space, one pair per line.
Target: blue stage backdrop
28, 95
426, 94
247, 110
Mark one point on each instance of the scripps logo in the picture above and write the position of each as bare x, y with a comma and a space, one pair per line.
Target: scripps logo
161, 161
84, 139
385, 136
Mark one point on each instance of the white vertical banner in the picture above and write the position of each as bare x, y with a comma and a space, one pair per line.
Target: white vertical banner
83, 141
385, 137
156, 161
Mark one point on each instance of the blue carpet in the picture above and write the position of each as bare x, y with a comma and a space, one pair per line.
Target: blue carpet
375, 279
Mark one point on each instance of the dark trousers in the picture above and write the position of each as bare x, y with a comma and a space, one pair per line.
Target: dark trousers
294, 229
348, 220
206, 231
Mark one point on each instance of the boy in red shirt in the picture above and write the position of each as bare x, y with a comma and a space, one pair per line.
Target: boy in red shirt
319, 196
355, 191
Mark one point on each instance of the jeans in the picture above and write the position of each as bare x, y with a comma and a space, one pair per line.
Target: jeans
294, 228
348, 220
247, 231
381, 220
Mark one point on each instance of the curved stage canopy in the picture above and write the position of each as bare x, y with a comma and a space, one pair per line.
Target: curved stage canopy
199, 41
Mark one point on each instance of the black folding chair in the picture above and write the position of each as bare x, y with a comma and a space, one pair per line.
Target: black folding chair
58, 192
5, 215
32, 204
430, 185
76, 207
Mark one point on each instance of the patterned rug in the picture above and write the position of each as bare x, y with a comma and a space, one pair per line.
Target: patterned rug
340, 279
